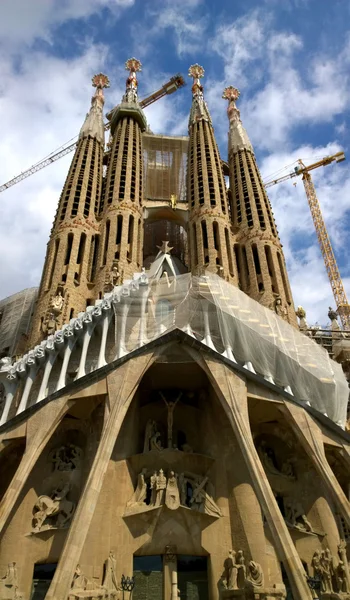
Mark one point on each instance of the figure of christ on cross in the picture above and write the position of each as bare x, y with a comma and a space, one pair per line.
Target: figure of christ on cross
171, 407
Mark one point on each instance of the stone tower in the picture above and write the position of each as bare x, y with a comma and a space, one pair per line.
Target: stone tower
211, 243
121, 207
258, 251
71, 254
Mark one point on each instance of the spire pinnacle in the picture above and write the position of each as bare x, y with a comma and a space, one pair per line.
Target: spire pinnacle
133, 65
93, 124
238, 137
199, 110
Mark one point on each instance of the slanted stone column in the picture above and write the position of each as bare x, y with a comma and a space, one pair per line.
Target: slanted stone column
122, 385
310, 436
232, 392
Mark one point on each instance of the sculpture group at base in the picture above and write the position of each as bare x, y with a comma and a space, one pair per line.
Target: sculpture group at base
237, 576
9, 584
333, 578
83, 587
187, 489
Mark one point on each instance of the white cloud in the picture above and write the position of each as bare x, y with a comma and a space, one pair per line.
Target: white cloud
21, 21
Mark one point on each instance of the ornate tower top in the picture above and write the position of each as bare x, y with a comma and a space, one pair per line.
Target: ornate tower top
134, 66
199, 109
93, 124
238, 137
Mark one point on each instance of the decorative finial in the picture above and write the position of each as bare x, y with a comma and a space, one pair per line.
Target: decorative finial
231, 93
100, 81
196, 71
134, 66
165, 248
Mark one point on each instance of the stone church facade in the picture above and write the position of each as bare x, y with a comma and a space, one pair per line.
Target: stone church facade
170, 433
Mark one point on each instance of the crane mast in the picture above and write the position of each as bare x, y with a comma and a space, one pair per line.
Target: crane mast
333, 273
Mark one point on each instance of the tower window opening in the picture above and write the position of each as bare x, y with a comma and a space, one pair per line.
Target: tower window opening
118, 238
139, 242
228, 250
205, 242
245, 267
81, 248
284, 279
69, 248
105, 250
271, 268
130, 238
195, 247
217, 245
54, 260
78, 188
256, 259
95, 242
71, 313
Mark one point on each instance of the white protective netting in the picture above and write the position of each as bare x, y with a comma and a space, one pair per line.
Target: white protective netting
221, 314
16, 312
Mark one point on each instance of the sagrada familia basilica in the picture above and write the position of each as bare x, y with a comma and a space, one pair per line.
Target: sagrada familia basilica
170, 432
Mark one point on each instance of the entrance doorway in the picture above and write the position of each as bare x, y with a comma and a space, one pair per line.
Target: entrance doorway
192, 577
42, 577
148, 573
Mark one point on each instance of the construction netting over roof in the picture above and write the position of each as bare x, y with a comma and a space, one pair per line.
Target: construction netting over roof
226, 319
15, 314
165, 163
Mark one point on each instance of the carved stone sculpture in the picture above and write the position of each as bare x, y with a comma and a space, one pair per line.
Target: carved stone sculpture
341, 578
139, 496
49, 325
242, 570
170, 421
231, 571
9, 584
57, 303
109, 581
345, 567
160, 488
152, 437
172, 497
316, 565
295, 515
53, 512
153, 486
255, 575
201, 500
67, 458
326, 564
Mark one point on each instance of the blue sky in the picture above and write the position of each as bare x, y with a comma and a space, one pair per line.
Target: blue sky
289, 58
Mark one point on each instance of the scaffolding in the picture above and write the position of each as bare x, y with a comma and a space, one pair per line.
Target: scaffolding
15, 315
165, 163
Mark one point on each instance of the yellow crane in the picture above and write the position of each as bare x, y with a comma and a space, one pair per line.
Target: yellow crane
343, 308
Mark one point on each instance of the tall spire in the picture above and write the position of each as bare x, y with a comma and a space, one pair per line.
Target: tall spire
259, 257
133, 65
93, 124
210, 234
199, 109
238, 138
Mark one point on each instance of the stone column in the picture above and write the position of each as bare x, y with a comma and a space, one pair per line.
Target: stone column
47, 421
122, 385
232, 392
309, 435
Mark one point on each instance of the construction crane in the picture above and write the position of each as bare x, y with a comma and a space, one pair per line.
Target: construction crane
341, 301
171, 86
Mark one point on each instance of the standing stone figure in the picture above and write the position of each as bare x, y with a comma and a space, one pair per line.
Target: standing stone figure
242, 571
160, 489
231, 571
172, 497
153, 486
140, 492
326, 564
110, 579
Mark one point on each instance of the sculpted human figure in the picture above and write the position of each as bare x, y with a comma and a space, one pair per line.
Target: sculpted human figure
160, 489
316, 565
295, 515
57, 303
56, 506
183, 489
231, 571
171, 407
11, 575
155, 441
110, 579
151, 427
341, 578
140, 492
255, 576
326, 571
172, 497
268, 458
242, 571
